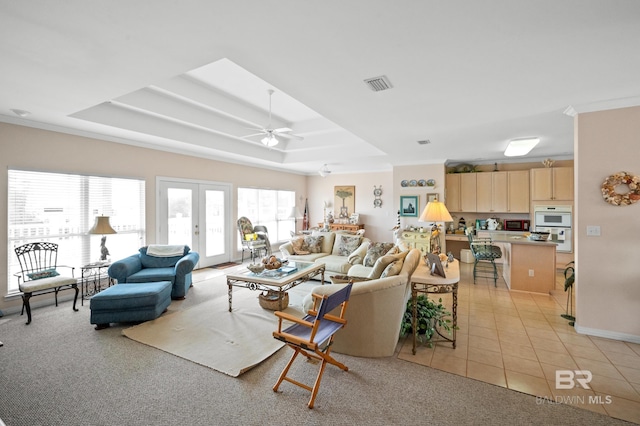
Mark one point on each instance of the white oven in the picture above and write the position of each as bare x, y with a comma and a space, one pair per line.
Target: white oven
556, 220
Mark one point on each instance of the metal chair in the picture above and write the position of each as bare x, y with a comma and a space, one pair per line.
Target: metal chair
39, 275
313, 335
485, 255
247, 231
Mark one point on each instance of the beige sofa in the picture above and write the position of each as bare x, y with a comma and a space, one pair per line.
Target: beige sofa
335, 262
375, 311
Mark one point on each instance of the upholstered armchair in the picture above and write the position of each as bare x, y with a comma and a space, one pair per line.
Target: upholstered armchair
158, 263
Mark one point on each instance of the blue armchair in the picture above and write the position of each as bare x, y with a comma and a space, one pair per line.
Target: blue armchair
143, 267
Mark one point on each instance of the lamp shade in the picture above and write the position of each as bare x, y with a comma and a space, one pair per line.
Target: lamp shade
102, 226
435, 211
295, 213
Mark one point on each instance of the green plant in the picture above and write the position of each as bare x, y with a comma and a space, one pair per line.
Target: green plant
430, 315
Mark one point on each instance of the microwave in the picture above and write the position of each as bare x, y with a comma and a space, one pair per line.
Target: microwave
516, 225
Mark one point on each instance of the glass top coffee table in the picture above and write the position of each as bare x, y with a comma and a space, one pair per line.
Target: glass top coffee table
276, 280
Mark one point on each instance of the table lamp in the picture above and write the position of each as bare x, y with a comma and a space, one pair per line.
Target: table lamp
435, 211
102, 227
295, 215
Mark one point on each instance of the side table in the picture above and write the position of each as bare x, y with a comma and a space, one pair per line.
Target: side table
92, 276
423, 282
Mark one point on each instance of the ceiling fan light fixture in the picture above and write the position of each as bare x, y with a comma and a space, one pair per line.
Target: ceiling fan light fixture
324, 171
269, 141
520, 147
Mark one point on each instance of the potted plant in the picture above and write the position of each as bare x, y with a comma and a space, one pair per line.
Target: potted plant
429, 316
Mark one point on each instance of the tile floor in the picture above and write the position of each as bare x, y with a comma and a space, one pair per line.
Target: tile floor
519, 341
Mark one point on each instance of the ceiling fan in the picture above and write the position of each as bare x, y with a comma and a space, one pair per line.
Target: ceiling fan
270, 134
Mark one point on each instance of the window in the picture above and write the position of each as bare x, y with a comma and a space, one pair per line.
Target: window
61, 208
270, 208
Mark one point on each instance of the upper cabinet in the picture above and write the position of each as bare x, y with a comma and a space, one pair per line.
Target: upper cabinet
518, 191
460, 192
488, 192
491, 192
452, 192
553, 183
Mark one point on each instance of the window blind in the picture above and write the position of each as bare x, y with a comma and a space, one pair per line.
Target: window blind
61, 208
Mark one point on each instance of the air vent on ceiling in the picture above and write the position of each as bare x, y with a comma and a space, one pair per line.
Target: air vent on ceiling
378, 84
424, 142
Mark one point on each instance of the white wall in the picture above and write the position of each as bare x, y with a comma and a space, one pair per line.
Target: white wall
607, 267
378, 221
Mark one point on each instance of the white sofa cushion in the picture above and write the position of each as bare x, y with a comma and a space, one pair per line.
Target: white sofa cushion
382, 263
327, 241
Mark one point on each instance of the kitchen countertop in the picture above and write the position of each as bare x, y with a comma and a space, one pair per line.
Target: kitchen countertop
514, 237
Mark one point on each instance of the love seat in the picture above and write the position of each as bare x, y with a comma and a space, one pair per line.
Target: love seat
155, 263
338, 251
375, 312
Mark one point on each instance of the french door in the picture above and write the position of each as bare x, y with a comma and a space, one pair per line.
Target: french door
197, 214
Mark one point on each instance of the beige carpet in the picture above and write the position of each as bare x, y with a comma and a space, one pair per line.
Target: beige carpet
210, 335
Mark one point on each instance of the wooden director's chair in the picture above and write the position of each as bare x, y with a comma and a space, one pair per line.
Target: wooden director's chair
313, 335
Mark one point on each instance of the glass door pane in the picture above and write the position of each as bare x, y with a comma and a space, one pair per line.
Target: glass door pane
180, 216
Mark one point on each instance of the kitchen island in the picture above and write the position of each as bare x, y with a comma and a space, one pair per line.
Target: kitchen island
527, 265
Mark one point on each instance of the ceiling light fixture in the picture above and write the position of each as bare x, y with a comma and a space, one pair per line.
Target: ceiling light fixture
519, 147
269, 140
324, 171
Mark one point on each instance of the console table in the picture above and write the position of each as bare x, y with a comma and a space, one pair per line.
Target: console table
423, 282
344, 226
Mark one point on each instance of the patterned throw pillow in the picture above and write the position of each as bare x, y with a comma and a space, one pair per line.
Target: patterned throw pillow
299, 246
345, 244
314, 243
392, 269
47, 273
375, 251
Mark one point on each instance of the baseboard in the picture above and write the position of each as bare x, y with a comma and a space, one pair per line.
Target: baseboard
608, 334
39, 302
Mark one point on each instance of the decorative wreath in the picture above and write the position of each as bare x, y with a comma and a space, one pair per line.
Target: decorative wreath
609, 189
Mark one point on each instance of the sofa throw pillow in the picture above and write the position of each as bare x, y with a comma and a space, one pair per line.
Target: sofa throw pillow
47, 273
327, 242
376, 251
345, 244
392, 269
383, 262
299, 246
314, 243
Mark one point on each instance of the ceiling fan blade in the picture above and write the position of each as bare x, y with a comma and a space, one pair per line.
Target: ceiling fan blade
282, 130
289, 136
255, 134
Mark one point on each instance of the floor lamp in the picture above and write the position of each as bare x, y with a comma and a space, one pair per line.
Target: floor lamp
435, 211
102, 227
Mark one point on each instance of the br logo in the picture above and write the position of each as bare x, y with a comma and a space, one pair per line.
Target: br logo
566, 379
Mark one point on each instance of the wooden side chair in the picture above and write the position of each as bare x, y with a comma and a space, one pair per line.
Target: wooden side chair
39, 275
313, 335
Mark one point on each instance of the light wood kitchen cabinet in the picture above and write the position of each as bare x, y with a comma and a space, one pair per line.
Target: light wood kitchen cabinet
518, 191
468, 188
491, 192
553, 183
461, 192
452, 192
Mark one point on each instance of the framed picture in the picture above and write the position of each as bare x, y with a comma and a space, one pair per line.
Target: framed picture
344, 201
432, 197
409, 205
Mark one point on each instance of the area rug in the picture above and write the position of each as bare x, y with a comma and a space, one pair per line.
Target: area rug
210, 335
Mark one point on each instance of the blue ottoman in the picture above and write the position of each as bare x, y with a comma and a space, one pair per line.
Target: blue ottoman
132, 302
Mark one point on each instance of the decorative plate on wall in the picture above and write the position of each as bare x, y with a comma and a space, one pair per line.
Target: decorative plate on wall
431, 182
404, 183
413, 182
422, 182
